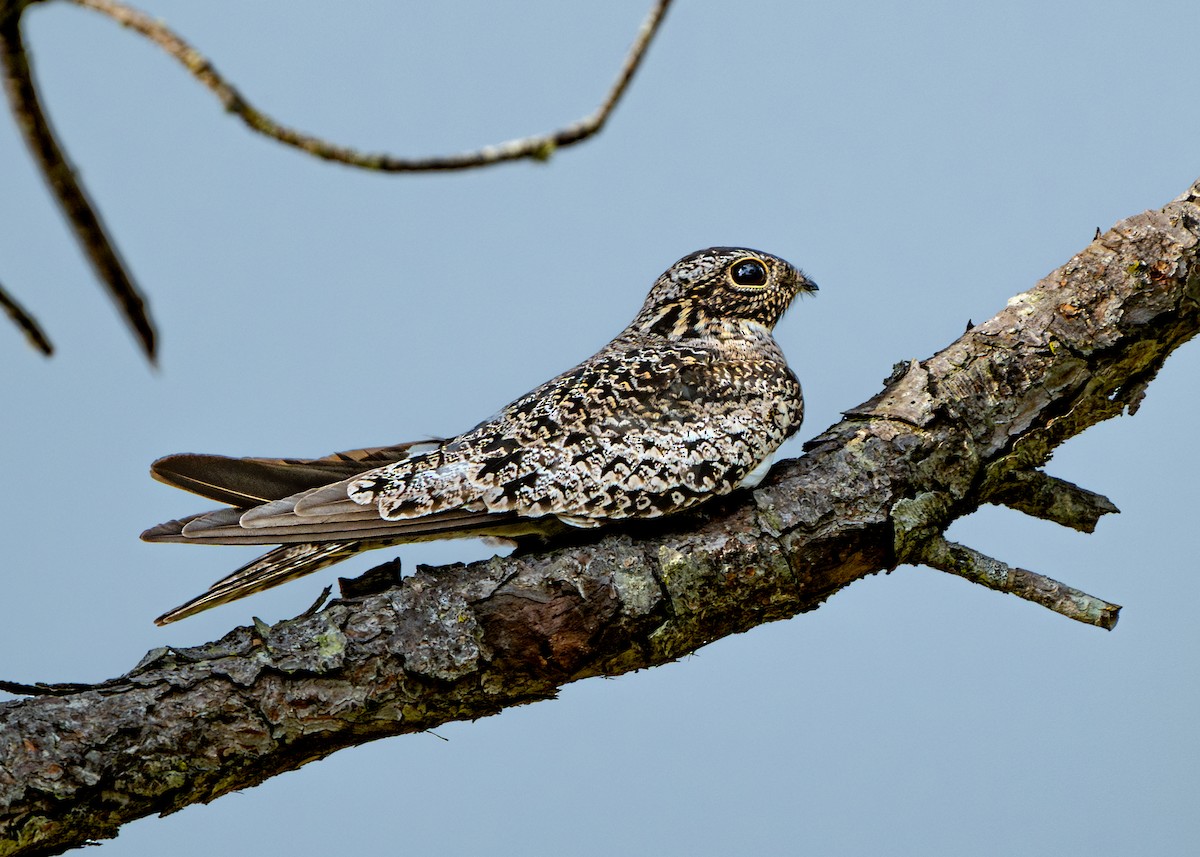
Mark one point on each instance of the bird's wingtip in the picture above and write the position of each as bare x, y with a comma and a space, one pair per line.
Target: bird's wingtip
168, 531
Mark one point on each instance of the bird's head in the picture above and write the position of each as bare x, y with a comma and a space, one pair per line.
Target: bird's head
718, 286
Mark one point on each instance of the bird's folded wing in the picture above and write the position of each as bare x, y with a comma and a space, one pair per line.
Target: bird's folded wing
222, 527
245, 482
261, 514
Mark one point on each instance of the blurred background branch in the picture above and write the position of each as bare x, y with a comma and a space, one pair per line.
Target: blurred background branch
26, 323
539, 147
83, 217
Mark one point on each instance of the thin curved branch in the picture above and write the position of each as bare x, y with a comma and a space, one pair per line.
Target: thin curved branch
82, 216
461, 642
85, 221
539, 147
26, 323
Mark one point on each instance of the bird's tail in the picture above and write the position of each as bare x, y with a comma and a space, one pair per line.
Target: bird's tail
271, 569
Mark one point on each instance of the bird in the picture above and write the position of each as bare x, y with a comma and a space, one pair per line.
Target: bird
688, 402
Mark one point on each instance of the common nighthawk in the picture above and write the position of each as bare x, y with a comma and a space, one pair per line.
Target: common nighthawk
689, 402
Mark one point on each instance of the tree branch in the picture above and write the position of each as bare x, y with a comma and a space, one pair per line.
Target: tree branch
539, 147
982, 569
1042, 496
26, 323
89, 230
462, 642
85, 221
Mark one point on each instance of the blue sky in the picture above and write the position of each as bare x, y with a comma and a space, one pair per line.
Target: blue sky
922, 162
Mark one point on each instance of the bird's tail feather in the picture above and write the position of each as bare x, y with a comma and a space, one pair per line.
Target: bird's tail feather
271, 569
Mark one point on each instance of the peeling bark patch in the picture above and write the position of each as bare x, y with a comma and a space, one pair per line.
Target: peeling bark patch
906, 399
549, 631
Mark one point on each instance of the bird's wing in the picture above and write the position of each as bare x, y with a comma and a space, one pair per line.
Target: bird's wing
245, 482
224, 527
634, 432
265, 490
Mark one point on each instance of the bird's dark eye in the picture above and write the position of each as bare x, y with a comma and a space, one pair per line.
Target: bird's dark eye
748, 272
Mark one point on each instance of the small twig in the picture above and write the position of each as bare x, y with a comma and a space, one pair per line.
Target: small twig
1043, 496
81, 215
26, 322
319, 603
539, 147
978, 568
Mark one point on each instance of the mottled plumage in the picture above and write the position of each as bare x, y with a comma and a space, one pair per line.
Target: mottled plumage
688, 402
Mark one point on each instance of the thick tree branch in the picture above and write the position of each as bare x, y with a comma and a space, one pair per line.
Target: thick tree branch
539, 147
461, 642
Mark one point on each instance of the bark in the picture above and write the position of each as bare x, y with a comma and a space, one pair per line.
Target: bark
970, 425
